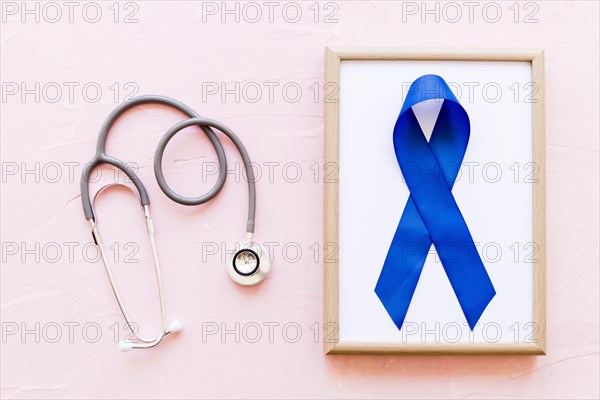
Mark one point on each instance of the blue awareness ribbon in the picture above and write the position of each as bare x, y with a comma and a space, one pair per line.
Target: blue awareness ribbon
431, 215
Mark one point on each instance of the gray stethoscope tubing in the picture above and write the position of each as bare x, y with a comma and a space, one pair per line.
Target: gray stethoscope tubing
192, 201
102, 158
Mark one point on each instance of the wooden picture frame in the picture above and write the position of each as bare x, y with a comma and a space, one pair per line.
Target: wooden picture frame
333, 59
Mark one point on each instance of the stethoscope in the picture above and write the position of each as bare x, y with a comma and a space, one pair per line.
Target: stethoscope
249, 263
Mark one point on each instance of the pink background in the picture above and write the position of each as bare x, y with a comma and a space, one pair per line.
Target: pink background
172, 51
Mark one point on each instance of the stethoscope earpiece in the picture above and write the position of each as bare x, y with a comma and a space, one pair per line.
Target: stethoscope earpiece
249, 264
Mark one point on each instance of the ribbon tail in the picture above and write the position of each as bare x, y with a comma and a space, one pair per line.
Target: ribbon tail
403, 264
455, 247
471, 283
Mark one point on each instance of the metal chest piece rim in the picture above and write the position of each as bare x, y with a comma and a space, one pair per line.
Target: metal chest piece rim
249, 264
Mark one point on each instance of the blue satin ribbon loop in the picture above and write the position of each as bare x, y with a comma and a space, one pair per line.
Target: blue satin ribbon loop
431, 215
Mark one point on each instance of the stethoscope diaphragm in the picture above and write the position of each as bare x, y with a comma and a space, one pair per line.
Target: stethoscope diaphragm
249, 264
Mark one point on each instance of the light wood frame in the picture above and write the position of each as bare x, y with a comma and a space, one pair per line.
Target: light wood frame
333, 58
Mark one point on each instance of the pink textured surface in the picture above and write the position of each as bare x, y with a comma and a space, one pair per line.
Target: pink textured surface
172, 51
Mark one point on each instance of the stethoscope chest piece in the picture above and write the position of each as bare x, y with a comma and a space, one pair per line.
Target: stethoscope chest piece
249, 264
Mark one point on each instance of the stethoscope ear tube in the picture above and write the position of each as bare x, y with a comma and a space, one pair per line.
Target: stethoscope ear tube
175, 326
